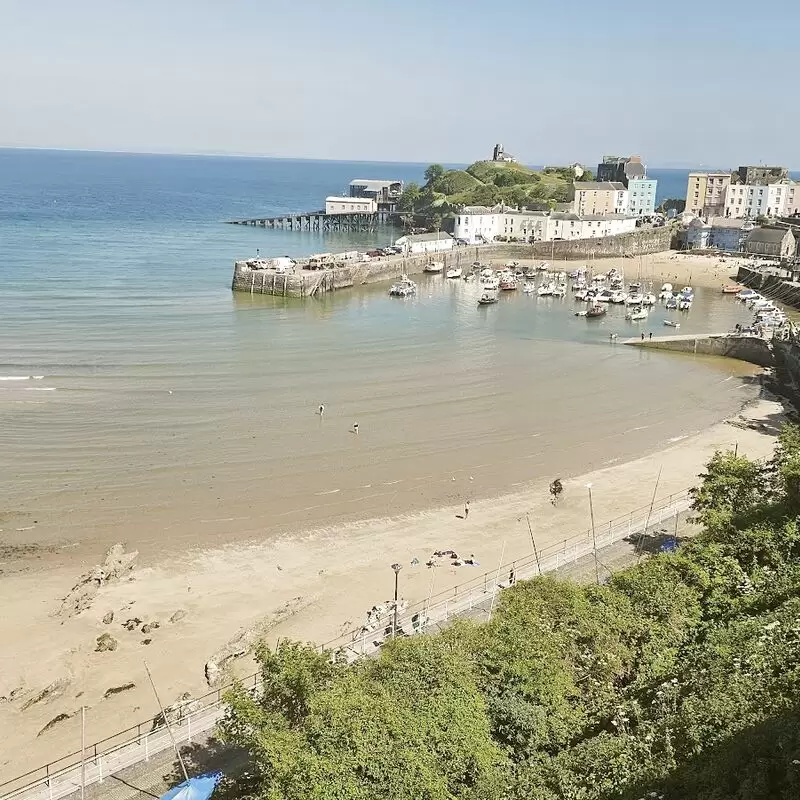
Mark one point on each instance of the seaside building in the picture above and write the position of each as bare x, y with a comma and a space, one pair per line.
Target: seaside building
386, 192
724, 233
705, 193
499, 154
642, 197
771, 243
479, 224
600, 197
350, 205
425, 243
760, 176
780, 199
619, 169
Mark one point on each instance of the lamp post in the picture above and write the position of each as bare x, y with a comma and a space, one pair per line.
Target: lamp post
594, 537
396, 568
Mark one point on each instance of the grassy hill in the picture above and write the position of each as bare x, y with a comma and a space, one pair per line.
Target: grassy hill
485, 183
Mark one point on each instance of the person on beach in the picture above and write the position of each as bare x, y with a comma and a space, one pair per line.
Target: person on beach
355, 428
511, 577
642, 335
321, 409
650, 334
466, 509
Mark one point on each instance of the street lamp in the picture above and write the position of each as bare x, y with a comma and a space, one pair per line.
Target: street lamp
396, 568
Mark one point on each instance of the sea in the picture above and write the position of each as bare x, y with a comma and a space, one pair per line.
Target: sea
141, 400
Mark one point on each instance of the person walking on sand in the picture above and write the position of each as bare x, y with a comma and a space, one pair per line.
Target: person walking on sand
642, 335
650, 334
466, 509
321, 409
355, 428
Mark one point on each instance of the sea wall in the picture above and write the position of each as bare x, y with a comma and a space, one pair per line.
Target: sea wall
307, 283
775, 287
752, 349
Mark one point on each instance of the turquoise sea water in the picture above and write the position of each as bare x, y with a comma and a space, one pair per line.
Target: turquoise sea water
171, 410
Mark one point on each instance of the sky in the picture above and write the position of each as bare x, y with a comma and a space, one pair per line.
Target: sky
680, 83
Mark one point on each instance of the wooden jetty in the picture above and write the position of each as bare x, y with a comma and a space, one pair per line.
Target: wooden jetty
320, 221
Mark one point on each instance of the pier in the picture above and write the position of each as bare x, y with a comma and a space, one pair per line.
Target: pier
320, 221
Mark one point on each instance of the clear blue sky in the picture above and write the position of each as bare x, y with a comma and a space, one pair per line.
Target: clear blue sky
681, 83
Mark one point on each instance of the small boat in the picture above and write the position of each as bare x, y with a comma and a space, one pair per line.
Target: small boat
403, 288
670, 323
636, 314
545, 290
581, 294
529, 288
559, 291
672, 302
454, 272
687, 291
487, 297
634, 299
604, 296
530, 272
595, 310
618, 296
581, 313
433, 266
746, 294
666, 291
684, 303
649, 299
731, 288
508, 281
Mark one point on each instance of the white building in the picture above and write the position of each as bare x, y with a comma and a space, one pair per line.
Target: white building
425, 243
478, 224
350, 205
780, 199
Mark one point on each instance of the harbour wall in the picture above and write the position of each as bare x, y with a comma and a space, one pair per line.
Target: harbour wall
753, 349
776, 287
308, 283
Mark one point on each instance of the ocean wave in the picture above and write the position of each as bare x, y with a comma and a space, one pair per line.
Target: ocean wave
21, 377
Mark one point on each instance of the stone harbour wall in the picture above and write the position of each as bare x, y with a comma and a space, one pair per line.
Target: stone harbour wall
752, 349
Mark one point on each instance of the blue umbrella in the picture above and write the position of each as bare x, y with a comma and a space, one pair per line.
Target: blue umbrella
199, 788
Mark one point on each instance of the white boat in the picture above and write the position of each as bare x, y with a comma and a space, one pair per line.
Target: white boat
490, 283
487, 297
559, 291
618, 296
746, 294
666, 292
649, 299
670, 323
454, 272
687, 291
603, 296
433, 266
403, 288
545, 290
684, 303
636, 315
529, 288
672, 302
508, 282
581, 294
634, 299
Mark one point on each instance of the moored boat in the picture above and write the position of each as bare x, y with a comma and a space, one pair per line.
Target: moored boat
636, 314
595, 310
731, 288
433, 266
508, 283
454, 272
670, 323
487, 297
649, 299
666, 291
403, 288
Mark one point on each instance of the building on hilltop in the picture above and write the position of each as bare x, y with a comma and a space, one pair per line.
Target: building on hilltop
759, 176
705, 193
600, 197
350, 205
382, 192
772, 243
499, 154
425, 243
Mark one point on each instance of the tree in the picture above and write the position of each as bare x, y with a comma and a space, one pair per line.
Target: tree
433, 173
409, 198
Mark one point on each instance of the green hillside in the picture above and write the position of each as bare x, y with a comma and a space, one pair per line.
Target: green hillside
485, 183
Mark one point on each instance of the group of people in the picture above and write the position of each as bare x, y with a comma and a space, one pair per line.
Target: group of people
321, 412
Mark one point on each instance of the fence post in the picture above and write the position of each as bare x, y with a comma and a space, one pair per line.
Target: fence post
446, 609
50, 788
147, 747
189, 726
100, 769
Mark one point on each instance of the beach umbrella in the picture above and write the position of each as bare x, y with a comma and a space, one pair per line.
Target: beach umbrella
199, 788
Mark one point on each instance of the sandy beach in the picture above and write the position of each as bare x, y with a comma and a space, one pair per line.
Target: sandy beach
312, 586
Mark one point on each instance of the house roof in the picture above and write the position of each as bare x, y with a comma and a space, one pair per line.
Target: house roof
729, 222
483, 209
424, 237
373, 185
634, 169
767, 236
599, 186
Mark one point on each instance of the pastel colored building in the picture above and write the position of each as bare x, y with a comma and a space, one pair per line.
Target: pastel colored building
599, 197
706, 193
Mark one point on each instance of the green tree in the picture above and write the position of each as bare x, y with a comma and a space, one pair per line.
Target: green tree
433, 173
410, 197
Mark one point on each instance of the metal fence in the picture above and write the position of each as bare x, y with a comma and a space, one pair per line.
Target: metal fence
195, 719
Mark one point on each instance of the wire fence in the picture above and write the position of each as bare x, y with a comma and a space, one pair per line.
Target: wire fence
193, 720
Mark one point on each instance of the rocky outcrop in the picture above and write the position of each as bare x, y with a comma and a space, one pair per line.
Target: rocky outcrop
118, 689
105, 643
48, 694
116, 565
58, 718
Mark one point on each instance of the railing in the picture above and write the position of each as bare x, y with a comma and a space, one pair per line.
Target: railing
139, 743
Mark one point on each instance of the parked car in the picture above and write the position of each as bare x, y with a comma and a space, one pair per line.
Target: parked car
374, 253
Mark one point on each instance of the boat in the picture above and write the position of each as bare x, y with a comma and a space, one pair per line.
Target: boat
670, 323
746, 294
545, 290
454, 272
731, 288
403, 288
433, 266
618, 296
687, 291
634, 299
603, 296
672, 302
508, 283
684, 303
648, 299
666, 291
530, 272
487, 297
581, 294
636, 314
529, 288
595, 310
559, 291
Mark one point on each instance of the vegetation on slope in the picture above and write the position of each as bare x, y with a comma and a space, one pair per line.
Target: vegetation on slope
485, 183
677, 679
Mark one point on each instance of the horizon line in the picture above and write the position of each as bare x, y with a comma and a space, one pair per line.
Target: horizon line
266, 157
